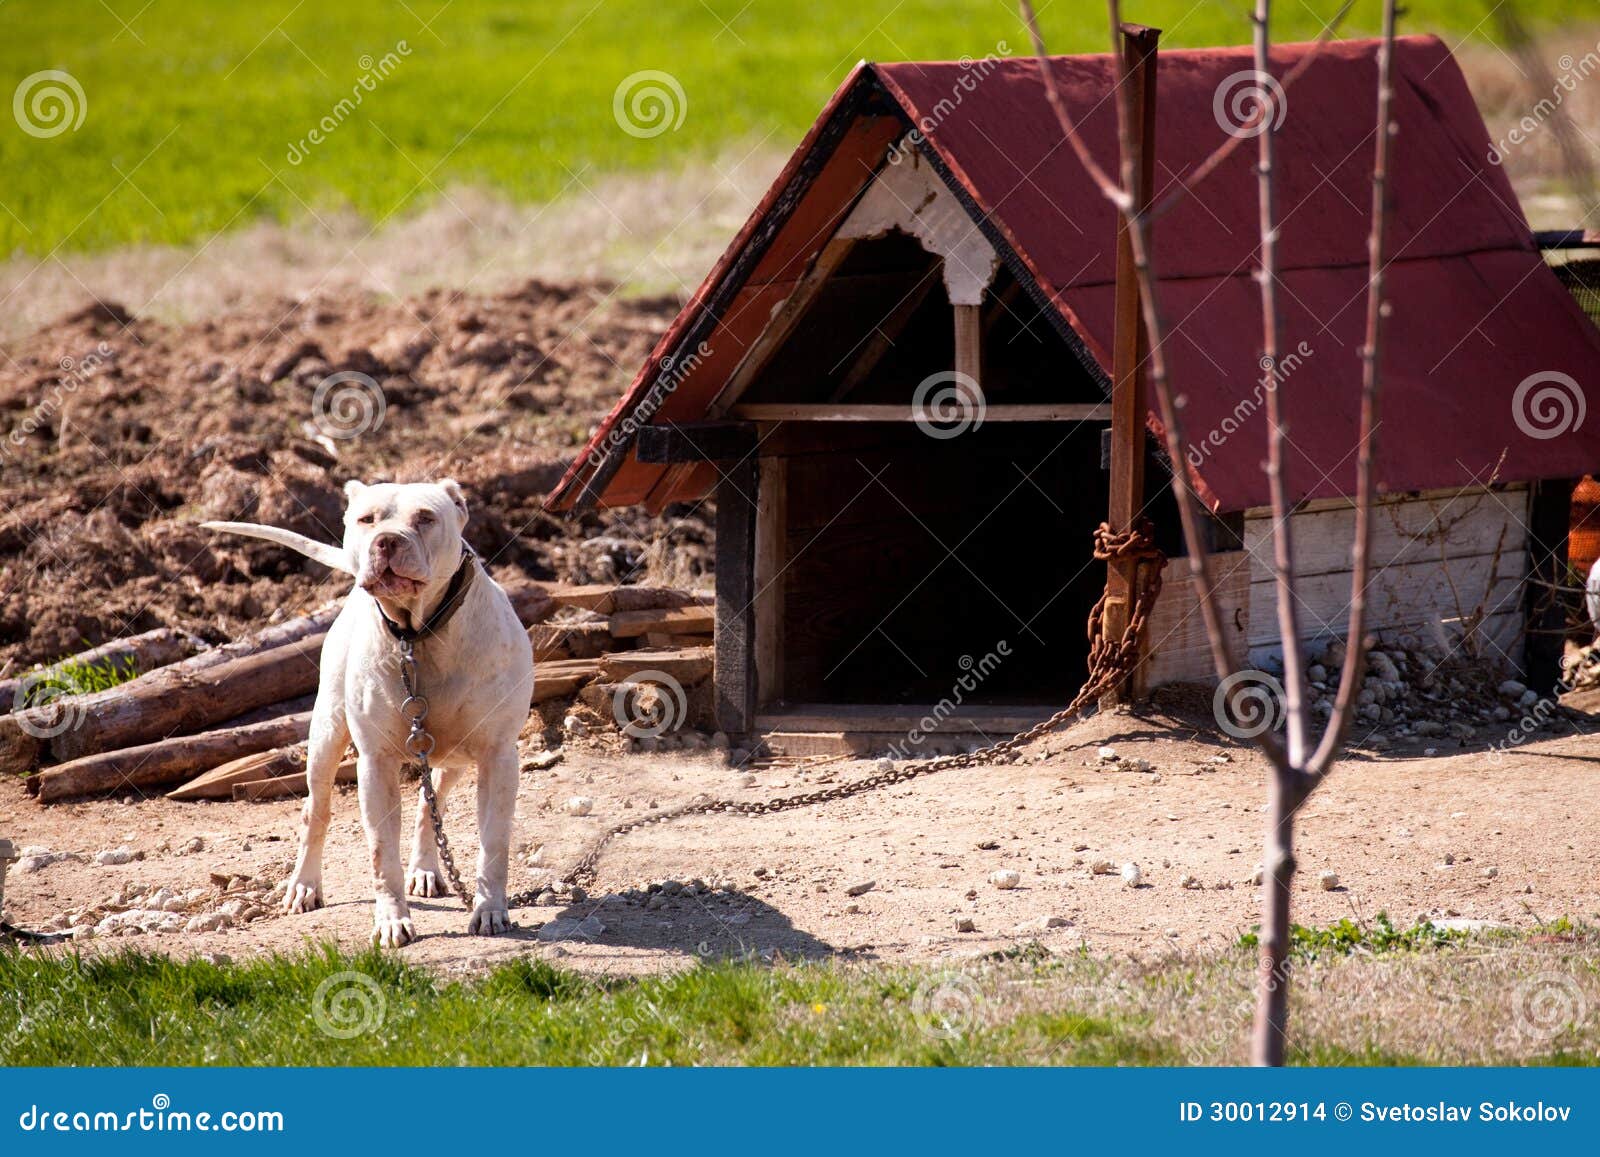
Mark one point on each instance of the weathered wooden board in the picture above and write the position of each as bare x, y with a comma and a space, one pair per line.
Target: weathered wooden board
1176, 647
1459, 524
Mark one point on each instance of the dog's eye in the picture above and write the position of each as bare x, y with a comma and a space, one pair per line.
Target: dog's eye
423, 518
368, 518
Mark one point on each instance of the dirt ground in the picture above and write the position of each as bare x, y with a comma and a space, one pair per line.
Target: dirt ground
1508, 840
120, 433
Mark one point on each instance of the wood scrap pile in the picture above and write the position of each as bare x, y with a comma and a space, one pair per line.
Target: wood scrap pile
230, 722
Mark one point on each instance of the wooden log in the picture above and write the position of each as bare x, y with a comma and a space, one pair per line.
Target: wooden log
144, 653
281, 786
559, 680
604, 599
167, 762
218, 783
680, 621
25, 736
687, 665
569, 640
187, 703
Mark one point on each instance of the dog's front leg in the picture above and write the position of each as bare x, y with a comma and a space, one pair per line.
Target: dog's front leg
324, 750
497, 803
379, 787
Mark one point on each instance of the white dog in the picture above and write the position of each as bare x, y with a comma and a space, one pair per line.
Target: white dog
413, 572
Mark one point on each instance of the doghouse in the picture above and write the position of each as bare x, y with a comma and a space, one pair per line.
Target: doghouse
898, 385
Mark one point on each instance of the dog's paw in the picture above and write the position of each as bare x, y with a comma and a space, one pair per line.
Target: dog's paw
302, 896
424, 882
489, 920
393, 932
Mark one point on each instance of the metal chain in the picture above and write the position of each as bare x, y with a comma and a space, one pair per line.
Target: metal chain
419, 745
1111, 661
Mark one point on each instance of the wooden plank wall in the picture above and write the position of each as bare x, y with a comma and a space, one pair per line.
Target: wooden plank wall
1436, 556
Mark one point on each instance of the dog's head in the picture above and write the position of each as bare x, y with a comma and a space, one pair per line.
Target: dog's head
404, 539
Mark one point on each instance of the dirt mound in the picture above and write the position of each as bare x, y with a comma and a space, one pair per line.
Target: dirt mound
118, 434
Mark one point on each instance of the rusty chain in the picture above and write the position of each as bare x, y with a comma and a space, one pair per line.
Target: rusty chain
1110, 662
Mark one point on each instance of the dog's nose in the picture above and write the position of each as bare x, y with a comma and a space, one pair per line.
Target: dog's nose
386, 544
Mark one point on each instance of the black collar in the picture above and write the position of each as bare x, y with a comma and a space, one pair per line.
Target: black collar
454, 596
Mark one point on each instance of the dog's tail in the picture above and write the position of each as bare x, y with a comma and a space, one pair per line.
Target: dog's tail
329, 556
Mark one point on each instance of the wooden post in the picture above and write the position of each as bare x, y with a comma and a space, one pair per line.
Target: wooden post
735, 673
969, 343
1130, 345
771, 556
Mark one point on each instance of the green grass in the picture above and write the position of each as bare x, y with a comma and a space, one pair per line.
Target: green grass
138, 1009
1347, 936
75, 678
1452, 1005
192, 108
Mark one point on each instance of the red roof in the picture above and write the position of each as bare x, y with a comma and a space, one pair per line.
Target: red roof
1475, 311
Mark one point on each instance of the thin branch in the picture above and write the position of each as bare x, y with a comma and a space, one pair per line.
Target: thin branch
1109, 188
1355, 654
1288, 613
1226, 149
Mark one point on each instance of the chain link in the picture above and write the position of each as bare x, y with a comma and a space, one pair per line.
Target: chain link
1111, 661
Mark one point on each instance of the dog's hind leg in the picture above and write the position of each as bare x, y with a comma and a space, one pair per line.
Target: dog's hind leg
497, 803
425, 876
324, 751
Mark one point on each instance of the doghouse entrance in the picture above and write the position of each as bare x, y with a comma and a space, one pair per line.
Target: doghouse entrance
920, 569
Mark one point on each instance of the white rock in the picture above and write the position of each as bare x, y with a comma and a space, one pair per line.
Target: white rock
1328, 881
190, 846
37, 859
580, 805
1136, 764
1107, 754
113, 857
1005, 879
965, 924
1131, 875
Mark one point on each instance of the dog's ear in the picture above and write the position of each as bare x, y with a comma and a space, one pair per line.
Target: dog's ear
351, 489
452, 490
